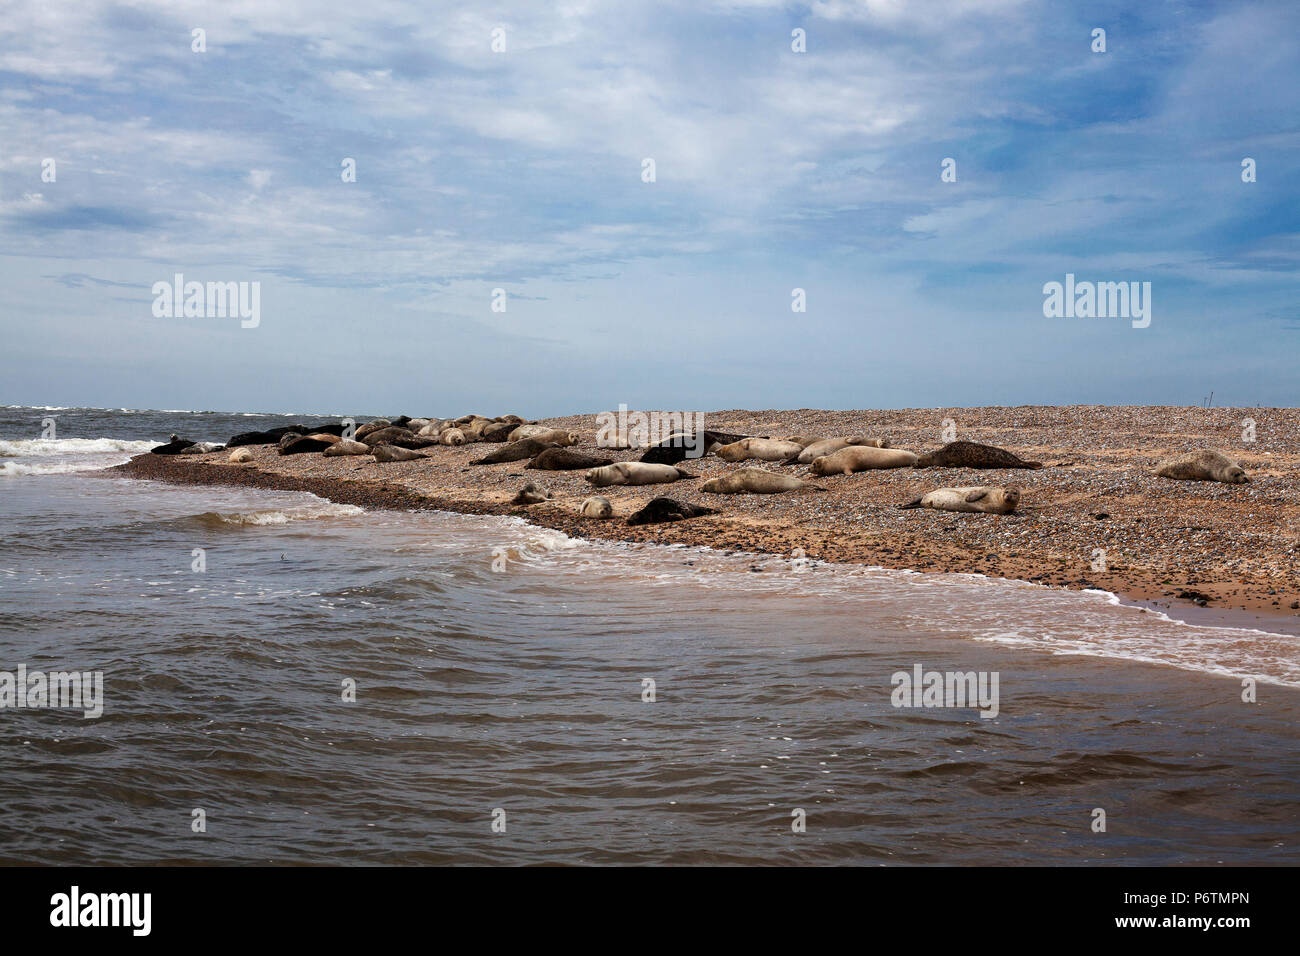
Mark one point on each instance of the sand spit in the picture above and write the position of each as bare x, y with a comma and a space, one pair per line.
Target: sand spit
1172, 543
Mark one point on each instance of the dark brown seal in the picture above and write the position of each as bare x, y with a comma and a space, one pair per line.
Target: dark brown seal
516, 451
566, 459
669, 509
968, 454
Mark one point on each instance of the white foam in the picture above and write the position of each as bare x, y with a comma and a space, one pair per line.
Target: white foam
49, 447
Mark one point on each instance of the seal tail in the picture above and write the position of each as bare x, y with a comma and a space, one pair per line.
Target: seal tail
1034, 465
914, 503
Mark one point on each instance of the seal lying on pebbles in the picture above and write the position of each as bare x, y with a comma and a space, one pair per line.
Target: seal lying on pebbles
557, 435
452, 436
202, 448
829, 446
597, 507
345, 446
668, 509
1203, 465
369, 427
396, 435
498, 431
861, 458
241, 455
634, 473
173, 447
676, 448
394, 453
565, 459
515, 451
968, 454
764, 449
530, 494
755, 481
269, 437
301, 444
987, 499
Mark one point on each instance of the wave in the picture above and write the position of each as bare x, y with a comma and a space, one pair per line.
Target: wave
49, 447
273, 516
15, 468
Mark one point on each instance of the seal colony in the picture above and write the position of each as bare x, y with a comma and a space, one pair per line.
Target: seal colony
1084, 479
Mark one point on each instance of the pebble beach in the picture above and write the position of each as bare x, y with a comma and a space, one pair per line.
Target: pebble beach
1094, 517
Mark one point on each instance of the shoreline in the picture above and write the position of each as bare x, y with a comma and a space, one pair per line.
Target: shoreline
1246, 566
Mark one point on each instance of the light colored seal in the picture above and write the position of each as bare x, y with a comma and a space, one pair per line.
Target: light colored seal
1203, 465
203, 447
829, 446
452, 436
557, 435
764, 449
861, 458
634, 473
755, 481
597, 507
986, 499
241, 455
394, 453
531, 494
346, 447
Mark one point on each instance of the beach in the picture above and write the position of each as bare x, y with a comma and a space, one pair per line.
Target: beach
1095, 517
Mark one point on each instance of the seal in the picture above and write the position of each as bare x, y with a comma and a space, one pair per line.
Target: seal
173, 447
861, 458
269, 437
369, 427
597, 507
530, 494
557, 435
394, 453
668, 509
498, 431
241, 455
1203, 465
634, 473
677, 448
515, 451
828, 446
346, 446
968, 454
986, 499
764, 449
202, 448
565, 459
755, 481
452, 436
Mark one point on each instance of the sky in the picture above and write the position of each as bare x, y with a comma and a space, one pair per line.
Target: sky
503, 146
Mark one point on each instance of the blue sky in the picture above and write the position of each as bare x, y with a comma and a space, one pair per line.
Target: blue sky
522, 170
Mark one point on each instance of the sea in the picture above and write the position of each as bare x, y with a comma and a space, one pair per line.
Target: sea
286, 680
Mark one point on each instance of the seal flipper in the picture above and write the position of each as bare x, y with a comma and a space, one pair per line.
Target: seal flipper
914, 503
974, 496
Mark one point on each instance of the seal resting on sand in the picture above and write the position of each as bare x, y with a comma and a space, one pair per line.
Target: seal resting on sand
565, 459
394, 453
301, 444
968, 454
668, 509
634, 473
269, 437
173, 447
556, 435
861, 458
241, 455
829, 446
597, 507
515, 451
1203, 465
202, 448
530, 494
987, 499
755, 481
346, 446
764, 449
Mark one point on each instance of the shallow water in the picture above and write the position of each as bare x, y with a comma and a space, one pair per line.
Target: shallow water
520, 689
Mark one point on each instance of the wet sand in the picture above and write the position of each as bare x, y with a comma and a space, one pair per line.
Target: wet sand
1170, 545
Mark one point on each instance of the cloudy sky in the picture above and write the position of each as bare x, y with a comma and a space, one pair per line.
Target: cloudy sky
522, 170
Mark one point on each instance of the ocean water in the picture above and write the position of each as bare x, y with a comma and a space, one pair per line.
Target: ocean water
501, 712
